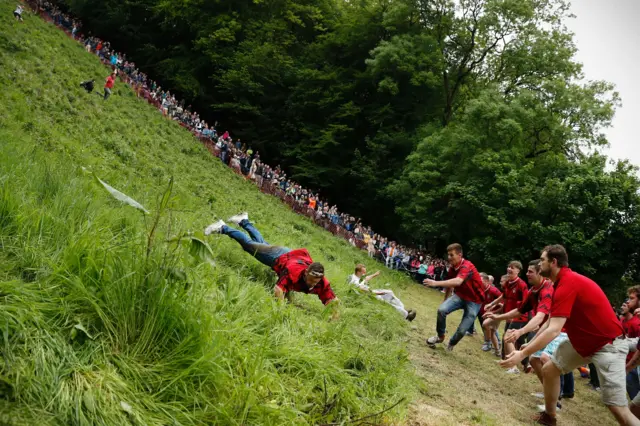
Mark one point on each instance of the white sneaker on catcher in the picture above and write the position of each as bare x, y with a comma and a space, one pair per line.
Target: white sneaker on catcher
239, 218
214, 228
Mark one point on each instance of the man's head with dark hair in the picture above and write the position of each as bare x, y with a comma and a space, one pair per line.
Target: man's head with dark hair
557, 252
314, 274
552, 258
535, 264
533, 273
360, 269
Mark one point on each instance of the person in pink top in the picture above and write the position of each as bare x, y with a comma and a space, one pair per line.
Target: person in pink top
468, 294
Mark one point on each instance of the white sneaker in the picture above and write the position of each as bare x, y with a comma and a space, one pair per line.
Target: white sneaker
513, 370
542, 408
486, 347
538, 395
239, 218
214, 228
433, 341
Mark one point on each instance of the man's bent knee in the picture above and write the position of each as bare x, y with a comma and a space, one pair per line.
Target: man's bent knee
549, 369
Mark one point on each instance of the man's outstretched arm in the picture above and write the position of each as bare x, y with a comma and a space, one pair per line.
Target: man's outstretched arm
278, 293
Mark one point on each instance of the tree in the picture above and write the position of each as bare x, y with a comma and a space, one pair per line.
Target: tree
475, 182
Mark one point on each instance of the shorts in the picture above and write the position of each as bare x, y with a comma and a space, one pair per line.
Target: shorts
514, 325
552, 346
610, 362
17, 15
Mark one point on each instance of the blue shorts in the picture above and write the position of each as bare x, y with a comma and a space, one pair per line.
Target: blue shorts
552, 346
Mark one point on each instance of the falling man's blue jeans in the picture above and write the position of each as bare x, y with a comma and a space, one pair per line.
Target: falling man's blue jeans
452, 304
254, 244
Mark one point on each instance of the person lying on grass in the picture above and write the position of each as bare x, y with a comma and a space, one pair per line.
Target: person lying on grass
360, 279
295, 269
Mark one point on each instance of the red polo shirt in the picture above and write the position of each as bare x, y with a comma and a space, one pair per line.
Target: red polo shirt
109, 83
290, 268
515, 293
631, 328
471, 289
539, 300
490, 294
591, 323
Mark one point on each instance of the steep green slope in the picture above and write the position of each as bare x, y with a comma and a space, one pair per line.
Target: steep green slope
105, 322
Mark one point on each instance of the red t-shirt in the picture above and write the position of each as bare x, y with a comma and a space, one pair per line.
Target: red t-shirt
515, 293
591, 323
490, 294
471, 289
539, 300
631, 328
109, 83
290, 268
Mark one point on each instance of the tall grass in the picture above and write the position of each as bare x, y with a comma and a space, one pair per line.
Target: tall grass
99, 327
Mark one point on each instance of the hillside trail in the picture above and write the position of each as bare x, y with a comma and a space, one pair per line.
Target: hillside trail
467, 387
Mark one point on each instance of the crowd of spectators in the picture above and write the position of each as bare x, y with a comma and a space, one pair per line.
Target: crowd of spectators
245, 161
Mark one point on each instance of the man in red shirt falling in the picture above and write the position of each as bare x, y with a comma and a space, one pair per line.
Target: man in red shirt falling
595, 335
108, 85
468, 295
295, 269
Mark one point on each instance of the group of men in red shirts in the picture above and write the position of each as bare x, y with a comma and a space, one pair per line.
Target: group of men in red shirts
559, 323
563, 321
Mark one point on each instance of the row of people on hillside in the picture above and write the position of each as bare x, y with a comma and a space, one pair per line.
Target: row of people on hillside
234, 153
560, 322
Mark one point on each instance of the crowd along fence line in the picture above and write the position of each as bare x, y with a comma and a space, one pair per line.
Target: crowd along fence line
263, 184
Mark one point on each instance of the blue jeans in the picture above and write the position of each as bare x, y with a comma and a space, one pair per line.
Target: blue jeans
254, 244
566, 384
633, 383
452, 304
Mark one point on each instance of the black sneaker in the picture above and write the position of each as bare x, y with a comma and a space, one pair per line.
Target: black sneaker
411, 315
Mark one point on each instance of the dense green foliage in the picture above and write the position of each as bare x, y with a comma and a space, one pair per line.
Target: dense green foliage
106, 322
433, 120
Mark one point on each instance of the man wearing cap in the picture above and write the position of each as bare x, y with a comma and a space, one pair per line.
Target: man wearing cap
295, 269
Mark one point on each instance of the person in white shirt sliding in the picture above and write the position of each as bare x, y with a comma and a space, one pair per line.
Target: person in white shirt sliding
360, 280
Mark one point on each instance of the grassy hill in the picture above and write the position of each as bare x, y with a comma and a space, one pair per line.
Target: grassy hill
106, 320
101, 327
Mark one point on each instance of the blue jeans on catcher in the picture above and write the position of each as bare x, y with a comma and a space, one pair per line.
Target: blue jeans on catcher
452, 304
254, 244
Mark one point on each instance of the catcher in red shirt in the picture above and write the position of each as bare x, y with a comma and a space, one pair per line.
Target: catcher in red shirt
468, 295
295, 269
